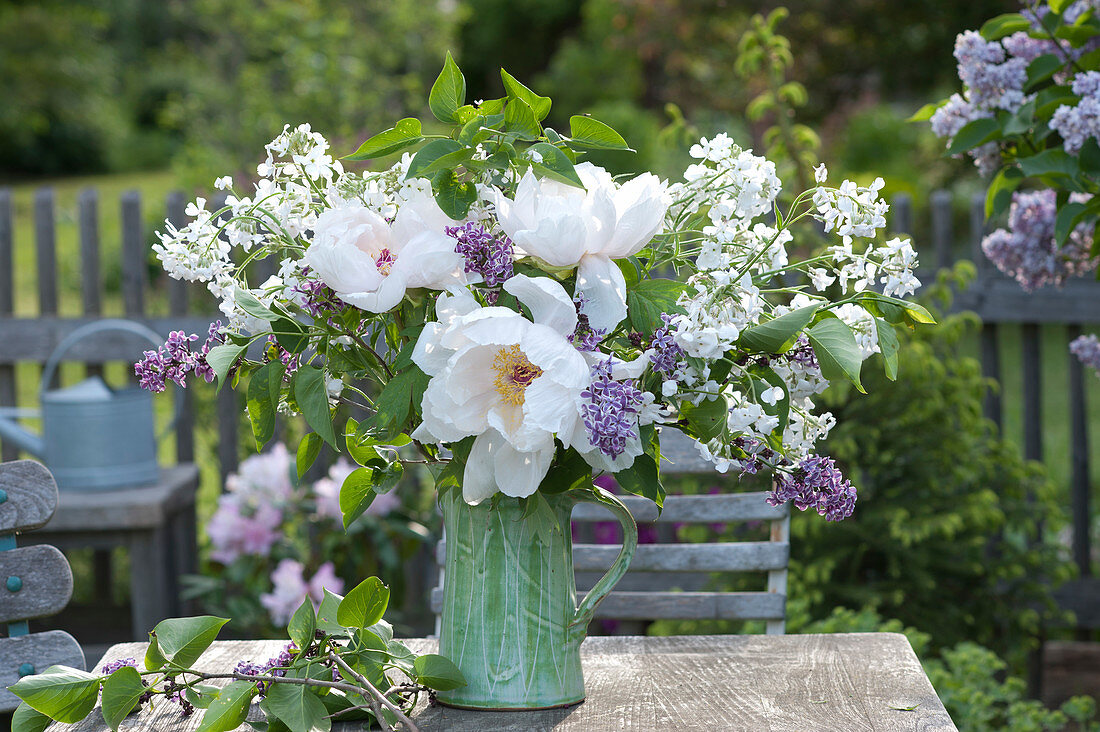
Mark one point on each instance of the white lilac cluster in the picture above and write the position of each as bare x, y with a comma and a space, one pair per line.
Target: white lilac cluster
738, 257
1079, 122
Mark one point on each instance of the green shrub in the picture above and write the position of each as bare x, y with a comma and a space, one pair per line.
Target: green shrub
954, 533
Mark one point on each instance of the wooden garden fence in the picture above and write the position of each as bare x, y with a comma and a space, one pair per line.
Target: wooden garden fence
998, 300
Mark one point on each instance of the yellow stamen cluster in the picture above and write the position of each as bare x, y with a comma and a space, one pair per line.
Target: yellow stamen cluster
514, 374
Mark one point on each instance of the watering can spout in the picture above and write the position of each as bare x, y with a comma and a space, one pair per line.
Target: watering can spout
27, 441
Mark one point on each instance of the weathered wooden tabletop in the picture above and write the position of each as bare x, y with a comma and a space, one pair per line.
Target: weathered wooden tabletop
863, 682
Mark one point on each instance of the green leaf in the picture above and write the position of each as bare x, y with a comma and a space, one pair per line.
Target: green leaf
228, 709
263, 399
438, 672
539, 105
364, 605
914, 312
519, 119
999, 195
28, 719
356, 494
706, 419
448, 92
312, 398
1069, 216
537, 511
589, 132
454, 196
643, 479
248, 303
61, 693
973, 134
302, 625
555, 164
437, 155
1089, 157
837, 352
1042, 68
568, 472
298, 707
395, 401
154, 659
926, 111
200, 695
308, 449
1054, 161
290, 334
1004, 25
405, 133
183, 640
326, 614
649, 299
121, 692
222, 358
889, 345
779, 334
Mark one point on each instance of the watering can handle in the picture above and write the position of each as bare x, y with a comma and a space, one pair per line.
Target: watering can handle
600, 590
99, 326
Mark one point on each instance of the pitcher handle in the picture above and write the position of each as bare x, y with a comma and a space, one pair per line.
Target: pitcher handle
600, 590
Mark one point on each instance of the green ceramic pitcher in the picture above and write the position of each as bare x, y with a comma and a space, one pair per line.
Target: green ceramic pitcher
510, 617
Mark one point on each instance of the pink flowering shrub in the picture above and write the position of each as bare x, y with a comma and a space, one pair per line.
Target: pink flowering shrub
274, 541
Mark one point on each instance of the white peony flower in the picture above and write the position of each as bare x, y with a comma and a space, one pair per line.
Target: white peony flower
370, 263
566, 226
513, 383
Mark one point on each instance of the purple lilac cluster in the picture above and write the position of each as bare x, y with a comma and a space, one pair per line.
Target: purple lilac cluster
610, 411
273, 667
1077, 124
816, 483
485, 255
584, 336
802, 353
290, 360
318, 299
668, 357
1087, 350
1027, 249
110, 668
174, 360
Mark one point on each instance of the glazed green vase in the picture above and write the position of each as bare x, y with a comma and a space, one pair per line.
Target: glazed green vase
510, 617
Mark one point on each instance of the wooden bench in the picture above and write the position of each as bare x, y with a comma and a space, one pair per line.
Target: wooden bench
37, 579
667, 580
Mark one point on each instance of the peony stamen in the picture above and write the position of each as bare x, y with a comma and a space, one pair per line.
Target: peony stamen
384, 262
514, 374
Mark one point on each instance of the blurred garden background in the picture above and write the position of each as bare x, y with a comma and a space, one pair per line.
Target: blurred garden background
957, 540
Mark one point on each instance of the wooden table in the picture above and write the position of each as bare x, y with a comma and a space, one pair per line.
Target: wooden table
858, 682
156, 525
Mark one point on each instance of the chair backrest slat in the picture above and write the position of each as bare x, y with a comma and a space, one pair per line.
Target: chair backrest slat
36, 582
718, 508
30, 496
742, 556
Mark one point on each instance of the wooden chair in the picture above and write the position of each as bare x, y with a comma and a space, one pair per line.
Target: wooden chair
667, 580
37, 581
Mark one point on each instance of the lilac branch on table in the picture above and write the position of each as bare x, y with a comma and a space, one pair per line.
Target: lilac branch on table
378, 695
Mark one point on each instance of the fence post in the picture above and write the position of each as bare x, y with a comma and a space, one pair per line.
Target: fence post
8, 451
179, 304
901, 219
1079, 457
46, 246
133, 256
941, 228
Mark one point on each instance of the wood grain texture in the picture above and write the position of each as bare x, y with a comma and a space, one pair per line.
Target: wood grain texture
41, 650
32, 496
44, 579
859, 682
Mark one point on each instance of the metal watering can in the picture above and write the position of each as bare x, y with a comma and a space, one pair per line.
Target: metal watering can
94, 437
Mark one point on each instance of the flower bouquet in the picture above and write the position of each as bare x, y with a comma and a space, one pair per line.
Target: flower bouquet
521, 320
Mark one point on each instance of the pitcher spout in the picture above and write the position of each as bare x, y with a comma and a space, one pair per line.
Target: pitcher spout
27, 441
